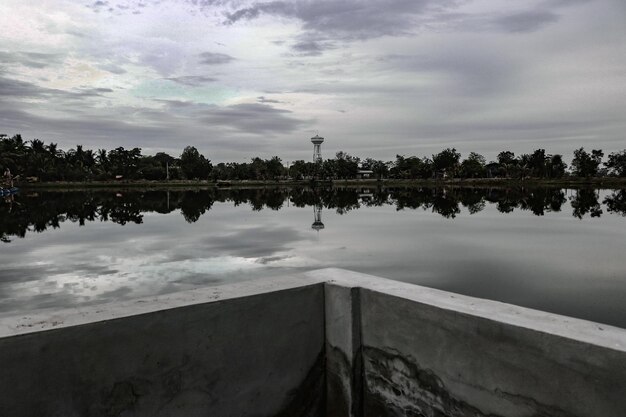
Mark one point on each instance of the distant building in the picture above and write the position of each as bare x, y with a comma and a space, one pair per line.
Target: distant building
364, 173
317, 148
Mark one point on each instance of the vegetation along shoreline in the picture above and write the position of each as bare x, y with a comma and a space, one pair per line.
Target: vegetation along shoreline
36, 164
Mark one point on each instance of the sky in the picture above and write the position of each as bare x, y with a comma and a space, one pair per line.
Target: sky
245, 78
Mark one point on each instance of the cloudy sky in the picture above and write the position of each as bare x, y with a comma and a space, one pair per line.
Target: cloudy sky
240, 78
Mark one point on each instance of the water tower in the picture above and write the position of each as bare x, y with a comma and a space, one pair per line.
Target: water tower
317, 218
317, 148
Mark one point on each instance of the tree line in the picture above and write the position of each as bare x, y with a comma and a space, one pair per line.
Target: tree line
37, 161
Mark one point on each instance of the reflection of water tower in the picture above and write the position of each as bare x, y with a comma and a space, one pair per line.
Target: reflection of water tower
317, 218
317, 148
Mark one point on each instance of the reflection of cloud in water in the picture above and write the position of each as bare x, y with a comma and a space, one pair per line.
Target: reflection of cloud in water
210, 266
248, 242
104, 263
544, 262
124, 278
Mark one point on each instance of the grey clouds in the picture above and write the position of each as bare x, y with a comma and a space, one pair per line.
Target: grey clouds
241, 78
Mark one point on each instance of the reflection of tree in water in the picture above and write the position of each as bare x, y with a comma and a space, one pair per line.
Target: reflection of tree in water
616, 202
38, 212
540, 200
341, 199
194, 204
584, 202
126, 208
411, 198
13, 220
474, 200
536, 200
446, 204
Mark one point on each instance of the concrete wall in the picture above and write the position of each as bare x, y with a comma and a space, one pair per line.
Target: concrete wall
434, 361
254, 355
424, 352
344, 381
328, 342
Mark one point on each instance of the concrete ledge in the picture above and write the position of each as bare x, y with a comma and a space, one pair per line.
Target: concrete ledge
549, 323
234, 350
328, 342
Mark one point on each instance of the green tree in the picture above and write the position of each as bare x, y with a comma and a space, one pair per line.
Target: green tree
298, 170
617, 163
508, 164
275, 168
379, 168
411, 167
507, 158
537, 163
194, 164
13, 152
347, 165
556, 166
473, 166
585, 164
258, 169
124, 162
446, 162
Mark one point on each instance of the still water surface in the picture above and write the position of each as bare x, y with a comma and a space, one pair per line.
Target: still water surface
557, 250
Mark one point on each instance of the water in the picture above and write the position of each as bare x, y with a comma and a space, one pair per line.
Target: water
555, 250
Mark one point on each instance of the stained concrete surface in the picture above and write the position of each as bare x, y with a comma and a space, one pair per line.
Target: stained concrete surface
430, 353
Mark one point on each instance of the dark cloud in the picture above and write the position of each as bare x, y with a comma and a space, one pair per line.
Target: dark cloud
93, 92
528, 21
564, 3
254, 118
311, 47
263, 99
192, 80
31, 59
453, 70
11, 88
475, 73
347, 20
250, 118
533, 19
15, 88
242, 130
100, 3
100, 6
174, 104
215, 58
92, 131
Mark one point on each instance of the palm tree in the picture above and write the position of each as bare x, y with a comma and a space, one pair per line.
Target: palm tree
37, 146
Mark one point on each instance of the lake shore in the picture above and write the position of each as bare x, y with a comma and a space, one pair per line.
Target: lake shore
605, 182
